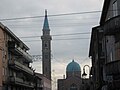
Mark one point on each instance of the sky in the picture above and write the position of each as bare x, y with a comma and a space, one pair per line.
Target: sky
65, 47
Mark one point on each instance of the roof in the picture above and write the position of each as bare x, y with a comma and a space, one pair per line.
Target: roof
46, 24
7, 30
73, 66
104, 11
93, 33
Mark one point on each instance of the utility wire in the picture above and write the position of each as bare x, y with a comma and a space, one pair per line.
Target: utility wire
65, 14
56, 39
55, 26
56, 23
72, 34
58, 35
59, 39
71, 39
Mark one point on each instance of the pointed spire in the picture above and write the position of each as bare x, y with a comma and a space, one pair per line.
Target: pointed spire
73, 60
46, 24
46, 12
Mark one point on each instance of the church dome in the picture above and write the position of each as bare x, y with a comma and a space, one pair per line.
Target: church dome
73, 66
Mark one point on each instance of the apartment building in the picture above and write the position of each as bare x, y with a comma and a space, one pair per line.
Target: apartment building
96, 53
15, 70
110, 20
110, 24
38, 82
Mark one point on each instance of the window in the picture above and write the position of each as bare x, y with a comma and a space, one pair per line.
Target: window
111, 56
117, 50
10, 72
45, 44
73, 87
115, 9
9, 56
46, 69
46, 56
4, 72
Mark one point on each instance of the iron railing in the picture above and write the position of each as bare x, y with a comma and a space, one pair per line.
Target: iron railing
112, 26
113, 67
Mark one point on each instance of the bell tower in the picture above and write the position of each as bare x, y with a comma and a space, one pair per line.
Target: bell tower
46, 48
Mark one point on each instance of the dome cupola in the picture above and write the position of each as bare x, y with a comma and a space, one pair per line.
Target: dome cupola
73, 67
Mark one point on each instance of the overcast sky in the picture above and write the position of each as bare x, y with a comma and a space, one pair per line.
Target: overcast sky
63, 51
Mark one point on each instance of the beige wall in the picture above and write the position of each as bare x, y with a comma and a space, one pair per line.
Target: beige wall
5, 35
1, 53
3, 57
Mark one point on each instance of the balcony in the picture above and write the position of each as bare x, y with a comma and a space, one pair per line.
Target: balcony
16, 65
19, 81
113, 68
15, 79
39, 85
112, 26
13, 47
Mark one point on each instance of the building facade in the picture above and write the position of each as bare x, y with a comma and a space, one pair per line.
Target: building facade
110, 24
38, 82
41, 82
110, 20
73, 80
15, 72
96, 54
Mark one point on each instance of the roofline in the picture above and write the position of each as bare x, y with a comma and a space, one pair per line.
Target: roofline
104, 11
7, 30
95, 31
92, 39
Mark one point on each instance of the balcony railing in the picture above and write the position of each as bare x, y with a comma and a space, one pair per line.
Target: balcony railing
15, 79
17, 50
112, 26
20, 81
113, 68
39, 85
16, 65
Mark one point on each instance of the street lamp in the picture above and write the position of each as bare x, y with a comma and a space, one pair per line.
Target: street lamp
84, 74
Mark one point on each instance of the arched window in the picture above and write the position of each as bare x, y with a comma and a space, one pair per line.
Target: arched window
73, 87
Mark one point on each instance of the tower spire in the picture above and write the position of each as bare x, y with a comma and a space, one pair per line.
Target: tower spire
45, 12
46, 24
46, 48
